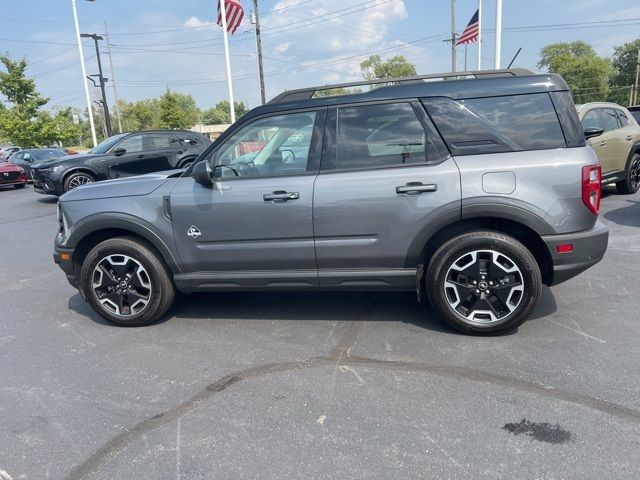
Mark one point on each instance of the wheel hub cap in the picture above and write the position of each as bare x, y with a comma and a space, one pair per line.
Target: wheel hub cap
122, 285
484, 286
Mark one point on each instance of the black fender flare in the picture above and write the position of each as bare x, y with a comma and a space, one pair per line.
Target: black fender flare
122, 221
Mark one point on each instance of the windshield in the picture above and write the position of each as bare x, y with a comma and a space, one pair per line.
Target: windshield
105, 146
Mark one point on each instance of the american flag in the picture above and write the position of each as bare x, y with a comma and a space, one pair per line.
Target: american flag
235, 14
470, 34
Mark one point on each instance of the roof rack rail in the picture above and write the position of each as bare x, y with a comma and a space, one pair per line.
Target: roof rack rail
307, 93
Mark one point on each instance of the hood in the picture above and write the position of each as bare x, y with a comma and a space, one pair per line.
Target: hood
9, 167
70, 160
121, 187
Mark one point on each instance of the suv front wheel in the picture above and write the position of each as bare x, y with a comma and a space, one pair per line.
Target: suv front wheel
483, 282
125, 282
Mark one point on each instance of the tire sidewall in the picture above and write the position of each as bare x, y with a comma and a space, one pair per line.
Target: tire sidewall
67, 180
141, 254
456, 248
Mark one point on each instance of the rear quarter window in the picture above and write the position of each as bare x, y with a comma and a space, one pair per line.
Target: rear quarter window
497, 124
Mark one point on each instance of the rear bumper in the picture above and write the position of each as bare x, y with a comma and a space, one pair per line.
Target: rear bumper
588, 249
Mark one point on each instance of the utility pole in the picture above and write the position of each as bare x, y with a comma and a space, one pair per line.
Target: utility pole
453, 36
113, 79
107, 118
635, 88
256, 21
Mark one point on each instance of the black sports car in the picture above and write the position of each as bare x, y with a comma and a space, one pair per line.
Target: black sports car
121, 155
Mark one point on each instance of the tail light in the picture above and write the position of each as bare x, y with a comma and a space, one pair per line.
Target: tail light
592, 187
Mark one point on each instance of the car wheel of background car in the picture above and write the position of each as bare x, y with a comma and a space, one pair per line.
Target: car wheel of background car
77, 179
187, 163
125, 282
22, 185
483, 282
631, 184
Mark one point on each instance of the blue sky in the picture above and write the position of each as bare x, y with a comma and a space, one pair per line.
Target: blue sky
160, 43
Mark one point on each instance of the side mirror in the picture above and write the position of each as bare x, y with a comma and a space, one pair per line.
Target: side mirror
288, 155
201, 173
593, 132
118, 152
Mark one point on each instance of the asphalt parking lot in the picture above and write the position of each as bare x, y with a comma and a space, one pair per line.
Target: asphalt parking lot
314, 385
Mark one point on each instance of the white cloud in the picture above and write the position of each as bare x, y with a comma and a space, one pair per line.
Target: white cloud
195, 22
282, 47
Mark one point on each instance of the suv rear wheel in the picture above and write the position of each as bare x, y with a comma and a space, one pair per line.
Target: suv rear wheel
483, 282
631, 184
126, 282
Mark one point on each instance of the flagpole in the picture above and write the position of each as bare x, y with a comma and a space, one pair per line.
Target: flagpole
223, 11
479, 34
498, 33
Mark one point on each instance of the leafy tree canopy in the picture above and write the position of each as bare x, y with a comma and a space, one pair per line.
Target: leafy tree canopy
374, 67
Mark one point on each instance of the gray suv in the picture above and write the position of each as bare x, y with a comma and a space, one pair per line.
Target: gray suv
474, 190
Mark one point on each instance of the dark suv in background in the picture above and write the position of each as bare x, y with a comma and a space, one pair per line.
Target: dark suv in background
122, 155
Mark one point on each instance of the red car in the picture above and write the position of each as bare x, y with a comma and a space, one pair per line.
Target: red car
12, 174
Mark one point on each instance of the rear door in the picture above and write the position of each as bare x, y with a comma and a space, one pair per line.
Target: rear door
161, 151
612, 143
385, 179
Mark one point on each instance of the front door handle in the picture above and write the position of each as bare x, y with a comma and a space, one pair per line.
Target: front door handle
140, 157
280, 196
603, 144
416, 188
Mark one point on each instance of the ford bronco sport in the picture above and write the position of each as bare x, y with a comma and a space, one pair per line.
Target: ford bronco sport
473, 191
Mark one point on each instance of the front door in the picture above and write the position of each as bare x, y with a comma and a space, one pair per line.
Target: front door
385, 179
253, 227
132, 162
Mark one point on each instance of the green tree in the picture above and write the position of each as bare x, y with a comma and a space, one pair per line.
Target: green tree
623, 61
171, 115
374, 67
552, 51
333, 92
584, 71
221, 113
19, 122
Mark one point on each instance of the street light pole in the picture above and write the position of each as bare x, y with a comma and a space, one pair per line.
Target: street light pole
105, 106
113, 80
84, 74
259, 50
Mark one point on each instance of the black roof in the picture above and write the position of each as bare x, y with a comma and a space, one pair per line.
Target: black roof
473, 85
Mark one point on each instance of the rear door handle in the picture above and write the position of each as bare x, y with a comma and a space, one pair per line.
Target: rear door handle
140, 157
603, 144
280, 196
416, 188
629, 137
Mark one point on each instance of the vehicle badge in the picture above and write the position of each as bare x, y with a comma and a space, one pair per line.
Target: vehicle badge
194, 231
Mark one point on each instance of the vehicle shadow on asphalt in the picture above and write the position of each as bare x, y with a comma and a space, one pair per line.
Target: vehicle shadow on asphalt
628, 216
307, 306
48, 199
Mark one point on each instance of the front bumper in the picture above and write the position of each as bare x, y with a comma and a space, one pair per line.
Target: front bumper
588, 249
63, 257
45, 185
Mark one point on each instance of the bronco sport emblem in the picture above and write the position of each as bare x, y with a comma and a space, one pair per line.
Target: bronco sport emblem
194, 232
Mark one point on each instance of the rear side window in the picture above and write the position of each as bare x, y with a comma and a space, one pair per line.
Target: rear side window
591, 120
608, 119
384, 135
497, 124
636, 115
160, 142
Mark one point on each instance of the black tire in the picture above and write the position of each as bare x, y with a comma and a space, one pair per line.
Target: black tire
631, 183
451, 292
187, 163
161, 289
76, 179
19, 186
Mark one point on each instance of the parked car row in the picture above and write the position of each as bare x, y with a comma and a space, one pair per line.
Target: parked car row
54, 171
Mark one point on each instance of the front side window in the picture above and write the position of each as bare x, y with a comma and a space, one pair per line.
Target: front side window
497, 124
608, 119
277, 145
591, 120
624, 120
132, 144
373, 136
